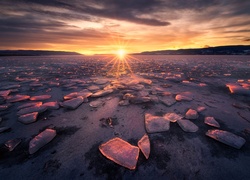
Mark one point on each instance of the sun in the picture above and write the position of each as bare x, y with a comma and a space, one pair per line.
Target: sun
121, 53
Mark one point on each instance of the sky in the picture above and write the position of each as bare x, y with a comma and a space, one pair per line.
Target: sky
104, 26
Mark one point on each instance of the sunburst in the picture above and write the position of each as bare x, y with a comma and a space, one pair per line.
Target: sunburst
120, 61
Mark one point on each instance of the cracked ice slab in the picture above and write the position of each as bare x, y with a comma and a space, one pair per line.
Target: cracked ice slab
184, 96
211, 122
41, 140
227, 138
156, 123
51, 105
28, 118
73, 103
40, 97
121, 152
102, 93
144, 145
173, 117
187, 125
191, 114
168, 101
17, 98
37, 108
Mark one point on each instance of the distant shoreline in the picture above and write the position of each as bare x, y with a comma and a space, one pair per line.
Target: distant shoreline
35, 53
219, 50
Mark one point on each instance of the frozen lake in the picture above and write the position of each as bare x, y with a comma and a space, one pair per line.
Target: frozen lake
89, 100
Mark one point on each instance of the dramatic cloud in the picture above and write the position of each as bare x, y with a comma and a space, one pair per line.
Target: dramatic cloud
93, 26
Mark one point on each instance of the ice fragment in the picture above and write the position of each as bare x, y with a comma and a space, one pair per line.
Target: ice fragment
121, 152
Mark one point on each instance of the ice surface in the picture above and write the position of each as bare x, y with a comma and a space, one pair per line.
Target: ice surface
156, 123
13, 143
187, 125
212, 122
144, 145
121, 152
102, 93
17, 98
173, 117
184, 96
40, 97
191, 114
73, 103
30, 104
51, 105
28, 118
168, 100
226, 138
37, 108
41, 139
96, 103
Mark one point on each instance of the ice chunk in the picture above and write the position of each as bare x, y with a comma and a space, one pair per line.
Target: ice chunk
101, 81
168, 101
212, 122
139, 99
137, 87
187, 125
84, 93
156, 123
154, 98
12, 144
4, 93
226, 138
124, 102
121, 152
17, 98
29, 105
93, 88
73, 103
102, 93
201, 108
173, 117
51, 105
40, 97
14, 86
144, 145
28, 118
41, 139
96, 103
237, 89
184, 96
4, 129
36, 108
128, 96
4, 107
191, 114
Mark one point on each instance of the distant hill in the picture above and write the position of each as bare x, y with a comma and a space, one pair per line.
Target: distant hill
34, 53
219, 50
